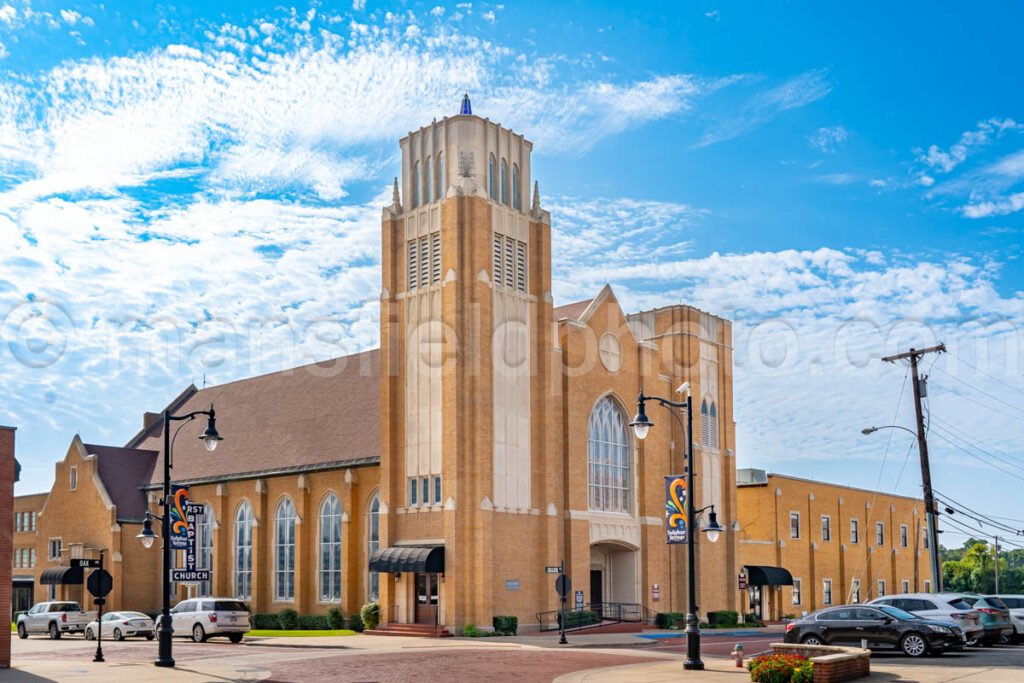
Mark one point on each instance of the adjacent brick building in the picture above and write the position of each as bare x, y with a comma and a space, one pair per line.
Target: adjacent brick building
8, 475
486, 438
839, 544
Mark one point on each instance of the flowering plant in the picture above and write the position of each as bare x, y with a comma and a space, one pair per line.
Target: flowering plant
781, 668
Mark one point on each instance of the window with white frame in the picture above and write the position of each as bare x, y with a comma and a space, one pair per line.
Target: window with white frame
927, 586
31, 557
924, 534
796, 591
826, 528
51, 592
855, 591
826, 591
243, 551
373, 542
330, 549
204, 548
74, 477
55, 548
903, 535
879, 533
608, 459
284, 551
854, 531
794, 525
881, 588
905, 585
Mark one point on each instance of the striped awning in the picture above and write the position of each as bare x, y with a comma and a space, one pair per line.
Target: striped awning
425, 559
61, 576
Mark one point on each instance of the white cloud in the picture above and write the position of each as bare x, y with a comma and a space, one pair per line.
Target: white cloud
1001, 207
8, 14
827, 139
437, 11
358, 5
946, 160
70, 17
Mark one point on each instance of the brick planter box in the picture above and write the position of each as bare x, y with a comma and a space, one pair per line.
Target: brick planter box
831, 664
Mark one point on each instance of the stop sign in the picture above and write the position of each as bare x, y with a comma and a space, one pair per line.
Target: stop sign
563, 585
100, 583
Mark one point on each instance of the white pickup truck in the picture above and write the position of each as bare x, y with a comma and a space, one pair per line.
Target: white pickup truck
54, 618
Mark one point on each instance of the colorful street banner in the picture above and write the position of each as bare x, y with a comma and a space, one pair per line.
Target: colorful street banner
179, 517
675, 507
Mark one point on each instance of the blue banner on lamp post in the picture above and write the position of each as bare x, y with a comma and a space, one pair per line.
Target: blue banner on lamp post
675, 509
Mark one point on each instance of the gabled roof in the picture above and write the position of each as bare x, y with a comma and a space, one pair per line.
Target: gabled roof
308, 417
571, 311
123, 471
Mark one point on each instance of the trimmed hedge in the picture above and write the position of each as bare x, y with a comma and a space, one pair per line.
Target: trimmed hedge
670, 620
355, 623
581, 618
266, 622
314, 622
723, 618
289, 619
370, 614
335, 619
506, 625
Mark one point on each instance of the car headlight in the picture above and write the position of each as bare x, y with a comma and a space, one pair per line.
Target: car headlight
939, 629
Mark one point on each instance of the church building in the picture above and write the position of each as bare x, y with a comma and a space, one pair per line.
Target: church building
486, 439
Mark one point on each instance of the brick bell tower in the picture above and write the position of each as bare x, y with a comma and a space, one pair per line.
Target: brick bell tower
470, 421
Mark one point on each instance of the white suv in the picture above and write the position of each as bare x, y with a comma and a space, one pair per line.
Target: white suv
201, 618
1016, 605
945, 606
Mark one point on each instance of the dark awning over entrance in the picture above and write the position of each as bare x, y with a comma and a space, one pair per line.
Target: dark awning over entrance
769, 576
427, 559
61, 576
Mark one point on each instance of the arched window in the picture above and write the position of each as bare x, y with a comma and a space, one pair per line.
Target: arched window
492, 181
373, 535
330, 549
713, 425
608, 460
705, 424
284, 551
243, 551
204, 548
441, 184
517, 201
416, 185
504, 182
428, 183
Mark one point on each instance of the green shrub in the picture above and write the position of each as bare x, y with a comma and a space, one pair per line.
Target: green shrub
581, 618
313, 622
670, 620
370, 614
266, 622
355, 623
469, 630
723, 618
289, 619
506, 625
335, 619
780, 668
752, 620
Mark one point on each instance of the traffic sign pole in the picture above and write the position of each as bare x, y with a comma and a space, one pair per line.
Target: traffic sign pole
563, 589
100, 601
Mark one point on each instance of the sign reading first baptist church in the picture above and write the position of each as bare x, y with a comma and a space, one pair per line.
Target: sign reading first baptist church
184, 518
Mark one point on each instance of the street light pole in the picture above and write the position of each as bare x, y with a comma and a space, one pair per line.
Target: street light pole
210, 438
641, 424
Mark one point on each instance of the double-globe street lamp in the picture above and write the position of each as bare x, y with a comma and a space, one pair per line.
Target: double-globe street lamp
210, 438
641, 424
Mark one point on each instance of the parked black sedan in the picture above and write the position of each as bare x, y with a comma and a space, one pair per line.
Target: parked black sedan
881, 626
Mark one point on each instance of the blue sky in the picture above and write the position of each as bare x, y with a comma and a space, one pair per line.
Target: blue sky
194, 188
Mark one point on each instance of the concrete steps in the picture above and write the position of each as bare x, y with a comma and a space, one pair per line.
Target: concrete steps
410, 630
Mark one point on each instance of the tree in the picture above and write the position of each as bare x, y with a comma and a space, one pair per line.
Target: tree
971, 569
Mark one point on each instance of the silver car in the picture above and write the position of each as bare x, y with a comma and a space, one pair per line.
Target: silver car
121, 625
1015, 603
947, 606
201, 618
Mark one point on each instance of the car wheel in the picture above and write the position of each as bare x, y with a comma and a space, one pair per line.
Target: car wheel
118, 635
22, 633
150, 636
812, 639
1005, 640
198, 633
914, 645
89, 635
235, 637
54, 632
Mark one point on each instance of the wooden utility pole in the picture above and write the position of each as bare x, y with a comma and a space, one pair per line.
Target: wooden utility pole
914, 355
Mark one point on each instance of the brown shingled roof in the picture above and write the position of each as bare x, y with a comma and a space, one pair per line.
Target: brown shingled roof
572, 311
123, 471
305, 417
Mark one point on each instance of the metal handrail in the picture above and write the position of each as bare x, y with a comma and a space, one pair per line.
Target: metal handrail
614, 612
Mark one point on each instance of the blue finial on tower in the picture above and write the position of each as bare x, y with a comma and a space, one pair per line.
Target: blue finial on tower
467, 108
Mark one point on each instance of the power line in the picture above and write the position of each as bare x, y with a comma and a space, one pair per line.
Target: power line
980, 520
991, 377
983, 392
945, 433
978, 457
957, 503
981, 533
972, 439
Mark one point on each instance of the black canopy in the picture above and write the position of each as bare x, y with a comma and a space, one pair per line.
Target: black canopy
426, 559
61, 576
769, 576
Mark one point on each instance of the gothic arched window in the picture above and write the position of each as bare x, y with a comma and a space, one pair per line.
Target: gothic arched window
284, 551
705, 424
608, 461
330, 549
204, 548
243, 551
373, 538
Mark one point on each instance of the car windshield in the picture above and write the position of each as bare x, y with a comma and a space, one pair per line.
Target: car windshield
969, 601
897, 613
995, 602
228, 606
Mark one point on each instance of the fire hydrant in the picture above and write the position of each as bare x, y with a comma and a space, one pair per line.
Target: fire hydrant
737, 654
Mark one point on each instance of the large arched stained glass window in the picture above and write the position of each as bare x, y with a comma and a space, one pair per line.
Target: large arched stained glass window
330, 549
373, 527
243, 551
284, 551
608, 459
204, 548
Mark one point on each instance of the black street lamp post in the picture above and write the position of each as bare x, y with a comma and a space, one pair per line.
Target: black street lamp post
641, 424
210, 438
